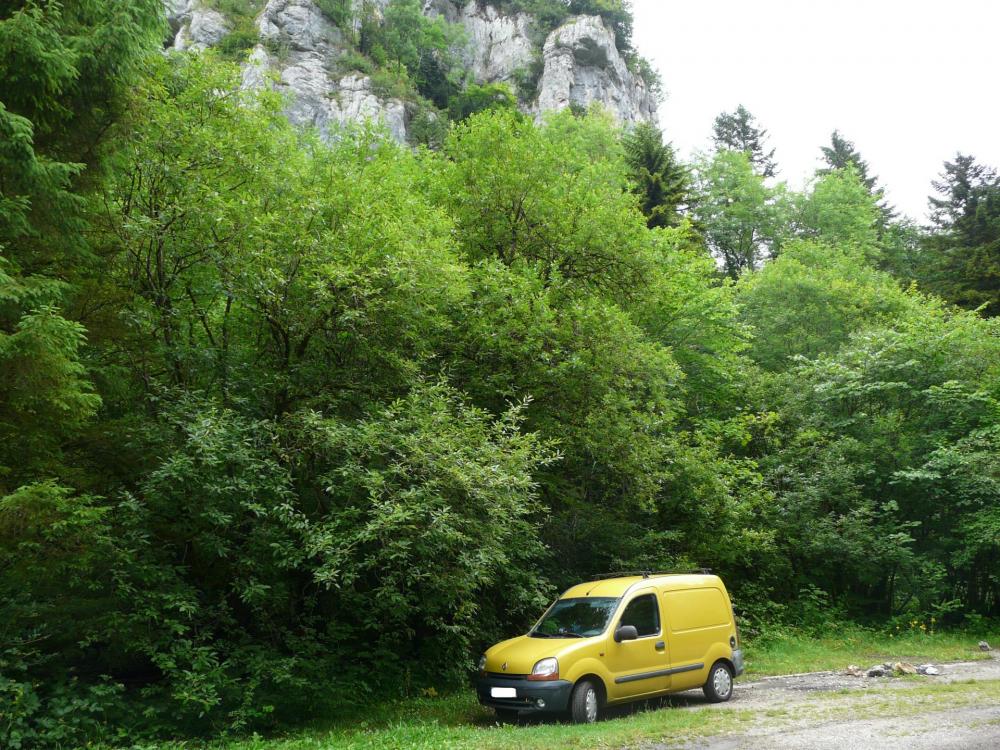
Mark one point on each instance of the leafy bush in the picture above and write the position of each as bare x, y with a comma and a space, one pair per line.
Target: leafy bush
393, 83
341, 12
423, 48
352, 61
475, 98
237, 43
243, 34
428, 128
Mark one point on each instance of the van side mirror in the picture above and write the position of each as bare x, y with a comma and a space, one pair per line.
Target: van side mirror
626, 633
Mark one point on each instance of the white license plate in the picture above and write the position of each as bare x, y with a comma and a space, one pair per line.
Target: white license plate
503, 692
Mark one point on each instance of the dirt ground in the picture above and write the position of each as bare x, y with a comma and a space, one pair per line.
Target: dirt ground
976, 727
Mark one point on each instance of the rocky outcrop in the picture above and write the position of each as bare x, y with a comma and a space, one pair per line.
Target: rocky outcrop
301, 52
583, 67
195, 26
498, 45
306, 67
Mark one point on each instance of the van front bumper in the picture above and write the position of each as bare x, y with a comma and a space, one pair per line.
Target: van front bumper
738, 661
549, 696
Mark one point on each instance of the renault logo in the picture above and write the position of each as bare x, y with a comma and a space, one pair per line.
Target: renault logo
504, 666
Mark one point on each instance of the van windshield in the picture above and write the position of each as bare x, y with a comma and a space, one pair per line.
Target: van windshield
576, 618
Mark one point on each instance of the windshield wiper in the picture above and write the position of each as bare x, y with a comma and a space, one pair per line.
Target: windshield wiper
568, 634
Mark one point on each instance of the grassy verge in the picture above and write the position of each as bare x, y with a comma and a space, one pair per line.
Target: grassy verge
791, 652
457, 722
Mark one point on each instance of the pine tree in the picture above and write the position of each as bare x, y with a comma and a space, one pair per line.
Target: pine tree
63, 70
962, 261
961, 185
738, 131
840, 154
658, 178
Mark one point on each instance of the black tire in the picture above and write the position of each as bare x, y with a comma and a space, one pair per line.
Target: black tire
585, 703
718, 687
506, 715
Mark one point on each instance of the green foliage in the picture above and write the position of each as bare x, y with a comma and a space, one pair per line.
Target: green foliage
428, 128
649, 75
553, 200
393, 83
841, 155
738, 131
875, 426
341, 12
810, 299
698, 319
659, 180
526, 78
243, 33
353, 61
743, 219
407, 40
288, 425
63, 71
475, 98
841, 211
45, 395
961, 261
429, 505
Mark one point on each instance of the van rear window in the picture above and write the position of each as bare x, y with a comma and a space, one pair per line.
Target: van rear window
690, 609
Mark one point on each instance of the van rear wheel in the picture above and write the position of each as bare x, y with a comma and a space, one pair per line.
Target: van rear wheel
719, 686
585, 703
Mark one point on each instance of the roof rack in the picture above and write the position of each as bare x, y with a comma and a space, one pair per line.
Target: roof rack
649, 573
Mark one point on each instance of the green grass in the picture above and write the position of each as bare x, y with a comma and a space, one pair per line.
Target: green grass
792, 652
457, 722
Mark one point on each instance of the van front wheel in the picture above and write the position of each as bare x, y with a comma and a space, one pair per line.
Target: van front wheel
719, 686
585, 703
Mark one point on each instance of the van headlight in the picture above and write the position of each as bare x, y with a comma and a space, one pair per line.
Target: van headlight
482, 663
545, 669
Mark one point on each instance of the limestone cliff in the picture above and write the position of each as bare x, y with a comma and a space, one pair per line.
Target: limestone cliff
301, 51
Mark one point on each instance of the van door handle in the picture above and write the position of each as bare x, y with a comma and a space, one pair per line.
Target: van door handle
660, 645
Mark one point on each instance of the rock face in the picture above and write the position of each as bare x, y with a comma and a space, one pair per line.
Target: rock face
311, 46
583, 66
194, 26
498, 45
301, 52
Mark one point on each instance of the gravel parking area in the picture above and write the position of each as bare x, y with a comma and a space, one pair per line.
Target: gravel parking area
801, 723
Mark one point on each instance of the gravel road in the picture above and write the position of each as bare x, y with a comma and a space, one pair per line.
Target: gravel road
976, 727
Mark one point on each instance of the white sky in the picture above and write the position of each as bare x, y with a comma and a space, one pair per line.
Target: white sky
910, 82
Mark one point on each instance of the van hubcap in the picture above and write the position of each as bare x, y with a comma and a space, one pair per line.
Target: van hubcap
591, 705
722, 682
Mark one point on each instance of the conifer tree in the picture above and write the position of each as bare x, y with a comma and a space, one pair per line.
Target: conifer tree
840, 154
738, 131
962, 261
658, 178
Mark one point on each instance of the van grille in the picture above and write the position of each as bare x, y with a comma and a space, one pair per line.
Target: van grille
506, 676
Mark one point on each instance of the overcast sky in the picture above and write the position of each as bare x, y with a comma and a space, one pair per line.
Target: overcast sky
910, 82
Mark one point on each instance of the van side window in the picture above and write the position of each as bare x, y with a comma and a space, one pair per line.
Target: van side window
643, 613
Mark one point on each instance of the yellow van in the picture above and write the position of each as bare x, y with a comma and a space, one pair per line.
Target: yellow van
614, 640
